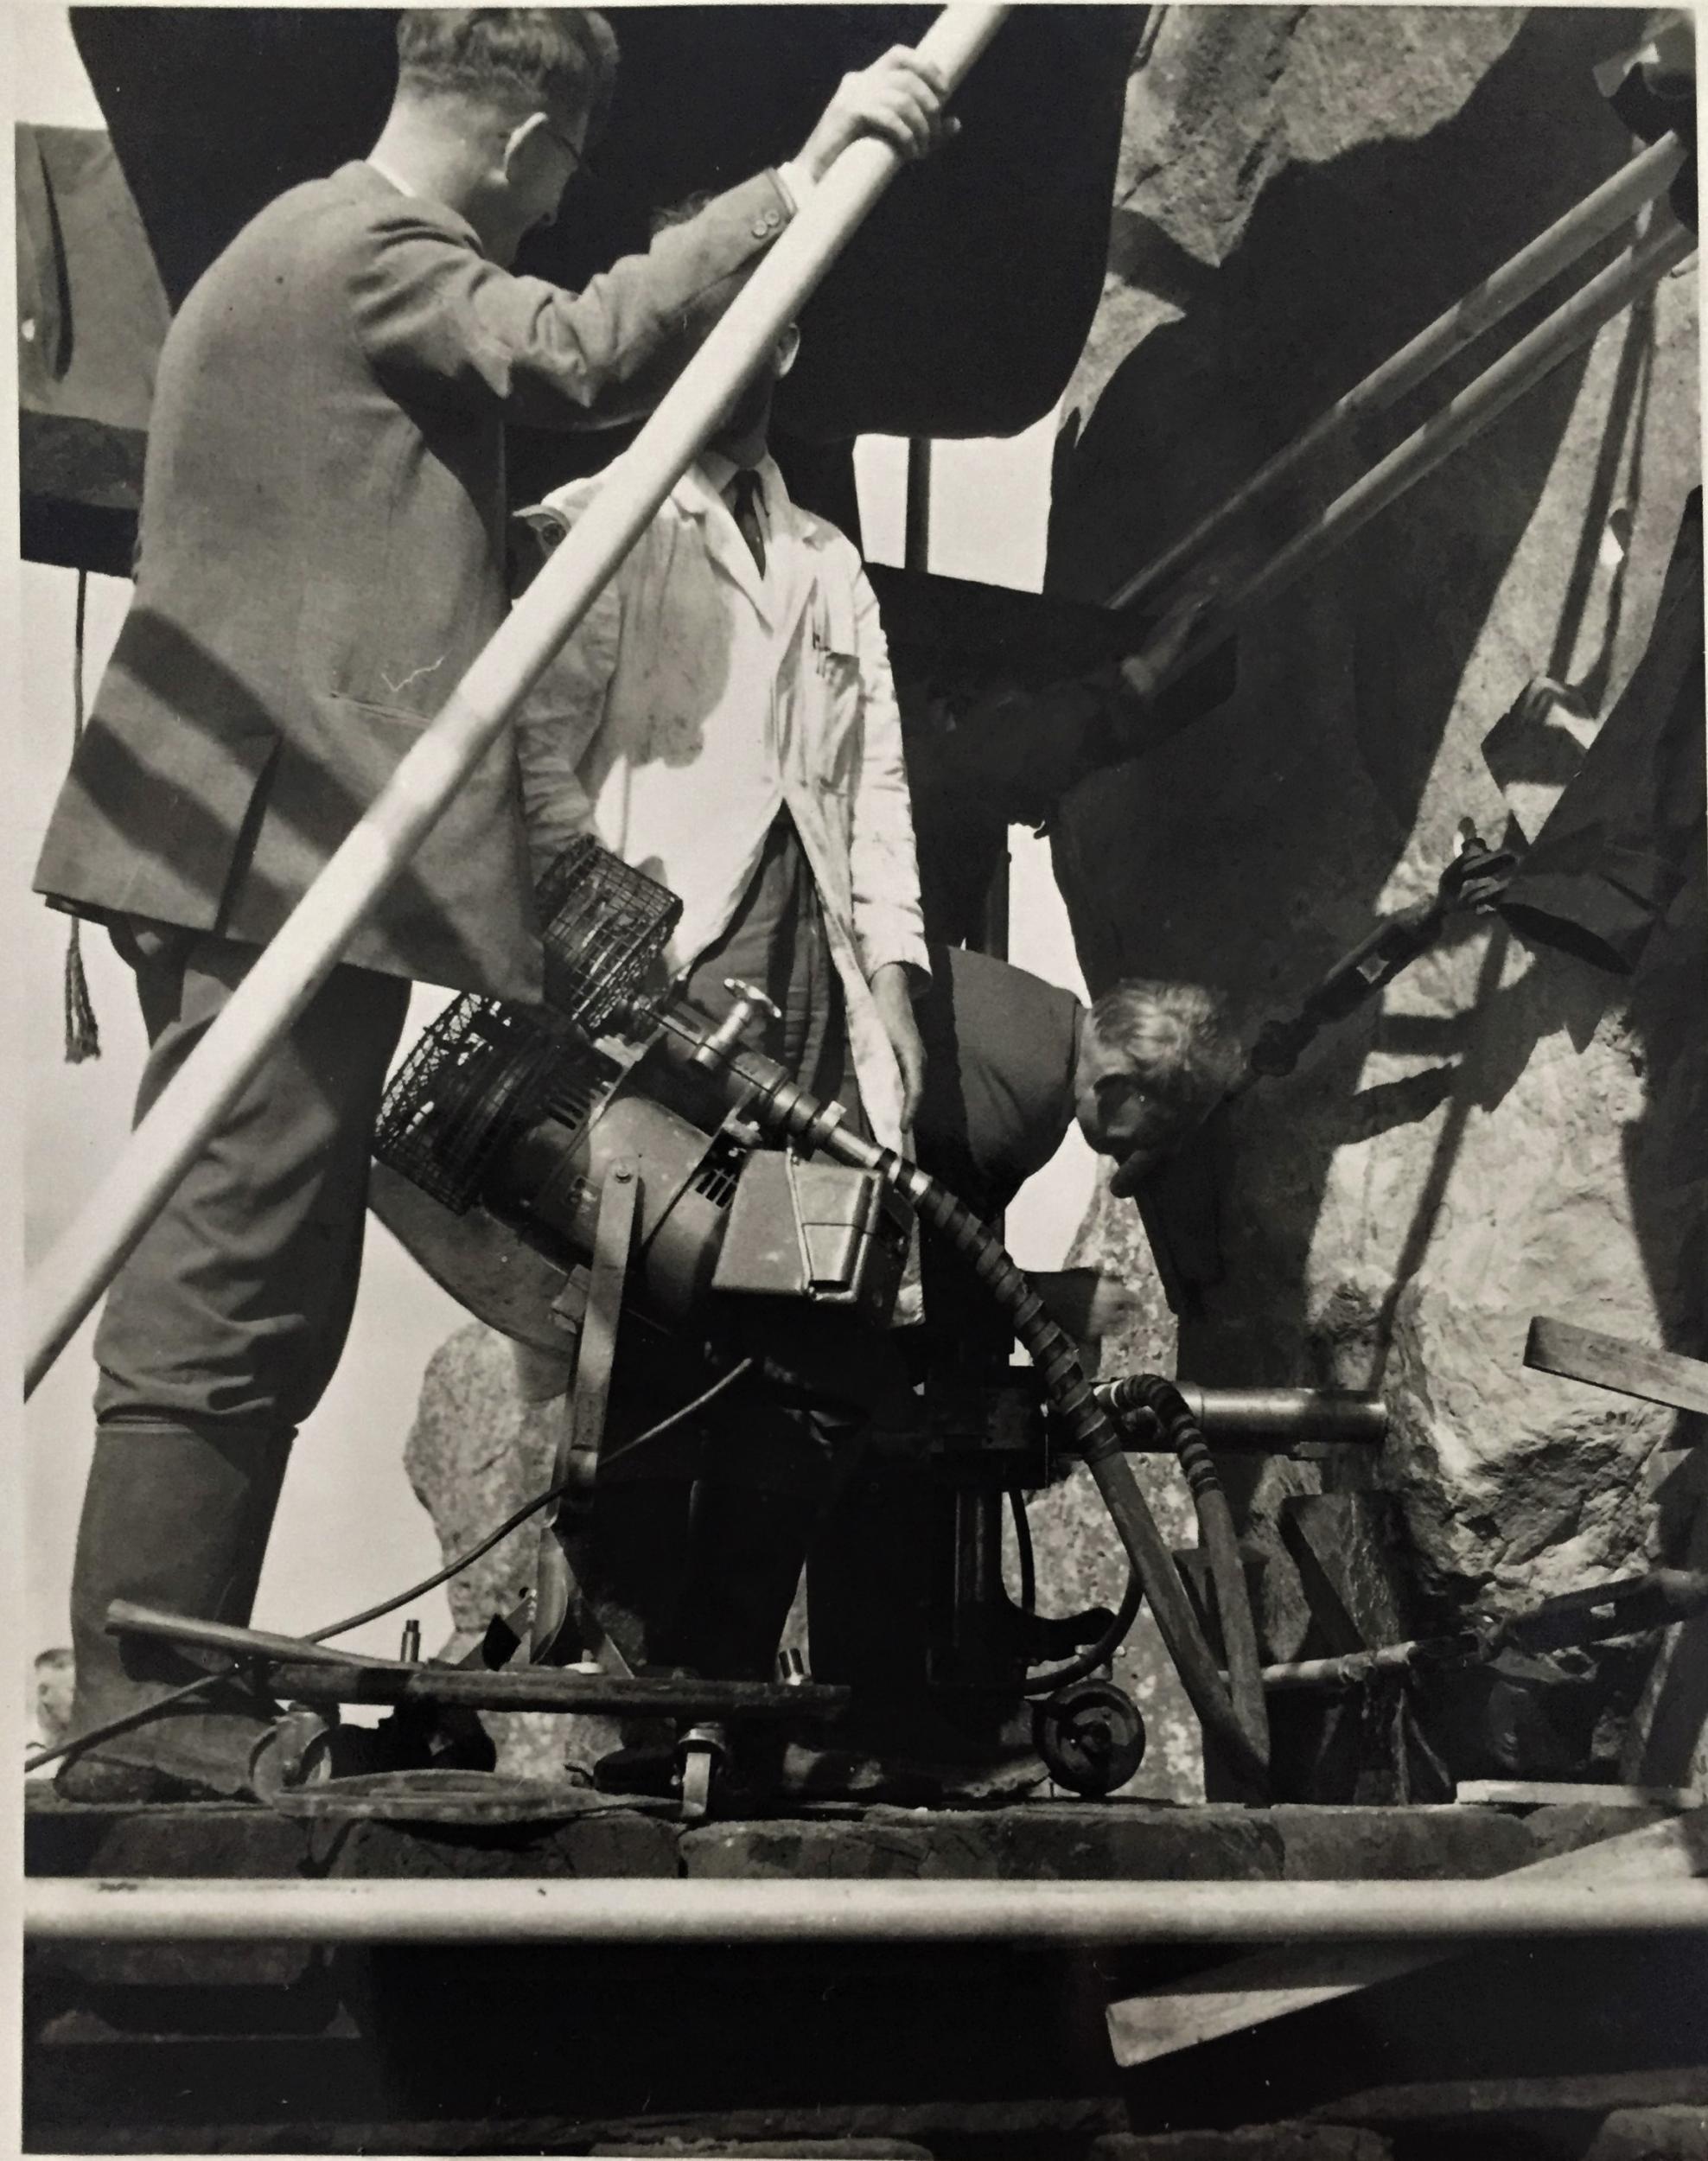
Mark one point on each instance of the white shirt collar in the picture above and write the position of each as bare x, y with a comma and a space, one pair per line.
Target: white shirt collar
717, 472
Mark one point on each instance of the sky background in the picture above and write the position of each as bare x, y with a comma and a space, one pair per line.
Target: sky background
349, 1529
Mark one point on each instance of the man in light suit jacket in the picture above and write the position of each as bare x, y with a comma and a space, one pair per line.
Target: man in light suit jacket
723, 719
320, 558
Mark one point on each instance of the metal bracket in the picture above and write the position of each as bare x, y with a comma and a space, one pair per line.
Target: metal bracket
558, 1596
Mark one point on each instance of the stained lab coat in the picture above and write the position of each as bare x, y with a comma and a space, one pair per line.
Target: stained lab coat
698, 698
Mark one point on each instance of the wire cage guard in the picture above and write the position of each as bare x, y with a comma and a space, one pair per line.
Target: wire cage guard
479, 1072
605, 926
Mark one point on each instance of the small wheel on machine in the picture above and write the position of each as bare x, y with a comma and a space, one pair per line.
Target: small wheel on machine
703, 1748
293, 1753
1090, 1735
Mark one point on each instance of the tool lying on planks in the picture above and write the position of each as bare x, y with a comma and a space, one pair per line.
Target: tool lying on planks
1631, 1606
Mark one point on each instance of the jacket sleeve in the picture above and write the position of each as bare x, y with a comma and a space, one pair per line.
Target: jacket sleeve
888, 924
435, 315
556, 724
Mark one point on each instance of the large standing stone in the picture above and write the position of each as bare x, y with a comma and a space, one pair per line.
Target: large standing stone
477, 1451
1512, 1131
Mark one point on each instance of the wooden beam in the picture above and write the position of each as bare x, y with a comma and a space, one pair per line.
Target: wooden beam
1248, 1992
1538, 1792
1609, 1362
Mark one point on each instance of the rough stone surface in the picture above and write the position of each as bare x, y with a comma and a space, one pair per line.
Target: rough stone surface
772, 2150
1402, 1843
477, 1451
1512, 1131
1066, 1840
1521, 2105
1300, 189
1062, 1842
1271, 2142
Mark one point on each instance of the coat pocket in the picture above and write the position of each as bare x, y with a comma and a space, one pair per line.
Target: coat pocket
833, 738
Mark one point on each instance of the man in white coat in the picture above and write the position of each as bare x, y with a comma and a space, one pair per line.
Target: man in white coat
723, 719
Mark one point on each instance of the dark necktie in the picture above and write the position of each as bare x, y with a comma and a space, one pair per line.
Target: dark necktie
742, 497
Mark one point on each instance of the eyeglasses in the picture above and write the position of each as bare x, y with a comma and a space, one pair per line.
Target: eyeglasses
581, 161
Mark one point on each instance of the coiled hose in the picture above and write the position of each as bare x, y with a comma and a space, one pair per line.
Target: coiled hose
1151, 1393
791, 1114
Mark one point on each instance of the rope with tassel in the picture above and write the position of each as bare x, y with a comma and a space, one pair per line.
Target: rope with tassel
82, 1035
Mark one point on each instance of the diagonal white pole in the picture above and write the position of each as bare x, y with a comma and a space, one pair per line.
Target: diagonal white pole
292, 967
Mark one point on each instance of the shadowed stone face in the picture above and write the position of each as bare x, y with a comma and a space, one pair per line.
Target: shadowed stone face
1510, 1131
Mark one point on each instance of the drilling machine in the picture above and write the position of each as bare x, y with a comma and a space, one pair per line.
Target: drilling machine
600, 1162
616, 1159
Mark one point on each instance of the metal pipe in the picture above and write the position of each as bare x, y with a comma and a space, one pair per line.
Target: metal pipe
1256, 1417
307, 947
1616, 201
1459, 422
916, 523
1352, 1668
708, 1910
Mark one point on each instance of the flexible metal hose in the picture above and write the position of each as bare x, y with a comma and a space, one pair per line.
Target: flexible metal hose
1047, 1680
1153, 1392
791, 1114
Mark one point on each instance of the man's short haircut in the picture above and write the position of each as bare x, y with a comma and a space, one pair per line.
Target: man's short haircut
561, 60
1175, 1038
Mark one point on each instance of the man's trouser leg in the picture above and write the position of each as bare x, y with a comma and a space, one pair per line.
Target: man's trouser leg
218, 1339
779, 1442
771, 1469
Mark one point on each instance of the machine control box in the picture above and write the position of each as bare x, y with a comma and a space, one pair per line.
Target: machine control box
819, 1231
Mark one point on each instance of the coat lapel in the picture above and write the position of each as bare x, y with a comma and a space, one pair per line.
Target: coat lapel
792, 564
725, 545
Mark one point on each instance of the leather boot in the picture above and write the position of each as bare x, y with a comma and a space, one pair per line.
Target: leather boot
176, 1518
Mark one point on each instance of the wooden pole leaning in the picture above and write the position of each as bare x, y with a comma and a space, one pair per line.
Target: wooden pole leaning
290, 969
1248, 1992
1612, 205
1460, 421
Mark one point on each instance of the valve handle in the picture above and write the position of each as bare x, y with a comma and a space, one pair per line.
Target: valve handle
752, 1000
725, 1039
